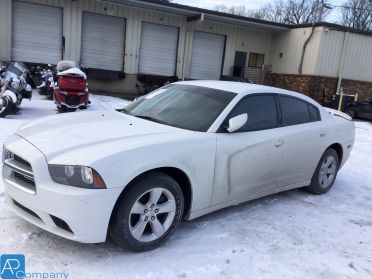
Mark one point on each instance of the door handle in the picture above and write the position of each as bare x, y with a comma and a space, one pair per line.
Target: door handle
279, 143
322, 133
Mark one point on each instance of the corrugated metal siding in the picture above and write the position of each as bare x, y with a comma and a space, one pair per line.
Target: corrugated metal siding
357, 55
135, 17
358, 58
238, 39
323, 53
290, 44
158, 49
29, 44
66, 5
207, 55
5, 29
103, 42
329, 53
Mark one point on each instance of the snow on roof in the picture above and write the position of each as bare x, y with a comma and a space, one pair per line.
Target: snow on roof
73, 71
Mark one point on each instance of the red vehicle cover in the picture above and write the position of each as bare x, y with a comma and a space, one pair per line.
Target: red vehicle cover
75, 83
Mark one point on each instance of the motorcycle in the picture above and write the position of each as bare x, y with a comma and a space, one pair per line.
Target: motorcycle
47, 77
148, 84
71, 89
15, 86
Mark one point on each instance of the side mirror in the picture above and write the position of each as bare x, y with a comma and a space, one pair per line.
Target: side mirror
237, 122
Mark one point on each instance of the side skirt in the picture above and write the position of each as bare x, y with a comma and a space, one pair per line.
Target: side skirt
219, 206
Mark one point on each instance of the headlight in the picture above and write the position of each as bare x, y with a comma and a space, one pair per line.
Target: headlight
15, 84
77, 176
6, 155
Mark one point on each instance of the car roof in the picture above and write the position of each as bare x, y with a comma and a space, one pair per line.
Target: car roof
242, 88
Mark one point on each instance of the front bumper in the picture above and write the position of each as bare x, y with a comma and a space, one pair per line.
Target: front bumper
86, 212
71, 99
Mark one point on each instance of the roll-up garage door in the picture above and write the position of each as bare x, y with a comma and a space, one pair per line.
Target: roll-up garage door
158, 49
206, 55
102, 42
36, 33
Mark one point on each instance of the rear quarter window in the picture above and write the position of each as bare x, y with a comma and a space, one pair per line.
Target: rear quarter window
295, 111
314, 113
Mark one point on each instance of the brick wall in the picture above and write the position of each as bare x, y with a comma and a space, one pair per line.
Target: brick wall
319, 88
363, 88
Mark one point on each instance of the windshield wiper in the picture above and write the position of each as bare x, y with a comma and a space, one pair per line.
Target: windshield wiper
123, 110
146, 117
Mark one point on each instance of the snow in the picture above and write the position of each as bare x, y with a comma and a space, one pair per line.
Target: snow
73, 71
288, 235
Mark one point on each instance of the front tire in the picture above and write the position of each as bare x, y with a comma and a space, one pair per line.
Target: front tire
6, 107
148, 213
325, 173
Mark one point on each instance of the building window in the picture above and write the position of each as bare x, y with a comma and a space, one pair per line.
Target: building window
256, 60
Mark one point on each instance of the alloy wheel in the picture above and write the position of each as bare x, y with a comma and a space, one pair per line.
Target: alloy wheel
152, 214
327, 172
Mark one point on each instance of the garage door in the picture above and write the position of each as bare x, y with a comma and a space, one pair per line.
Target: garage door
158, 49
102, 42
206, 55
36, 33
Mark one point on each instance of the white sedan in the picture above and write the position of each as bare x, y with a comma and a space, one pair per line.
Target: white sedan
182, 151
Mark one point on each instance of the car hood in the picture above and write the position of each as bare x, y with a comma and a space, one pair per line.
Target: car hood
73, 132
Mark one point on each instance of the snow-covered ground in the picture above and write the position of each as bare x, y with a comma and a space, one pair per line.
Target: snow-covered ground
288, 235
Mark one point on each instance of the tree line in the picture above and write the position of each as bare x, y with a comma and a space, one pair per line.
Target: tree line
353, 13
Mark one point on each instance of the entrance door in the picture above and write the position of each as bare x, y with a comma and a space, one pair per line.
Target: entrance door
239, 63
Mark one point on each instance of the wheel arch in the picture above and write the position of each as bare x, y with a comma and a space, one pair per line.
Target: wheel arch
339, 150
177, 174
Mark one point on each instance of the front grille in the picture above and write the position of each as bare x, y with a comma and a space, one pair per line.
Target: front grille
22, 161
29, 211
24, 178
20, 175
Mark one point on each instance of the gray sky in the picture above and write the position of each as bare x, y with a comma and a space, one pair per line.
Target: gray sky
250, 4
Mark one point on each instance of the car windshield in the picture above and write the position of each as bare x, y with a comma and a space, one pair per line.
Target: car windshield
184, 106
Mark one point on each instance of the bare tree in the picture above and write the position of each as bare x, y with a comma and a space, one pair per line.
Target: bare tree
235, 10
295, 11
357, 14
283, 11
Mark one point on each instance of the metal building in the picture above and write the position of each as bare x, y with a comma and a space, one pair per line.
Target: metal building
120, 40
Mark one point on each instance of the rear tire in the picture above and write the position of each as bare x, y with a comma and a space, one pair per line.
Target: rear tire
148, 213
325, 173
